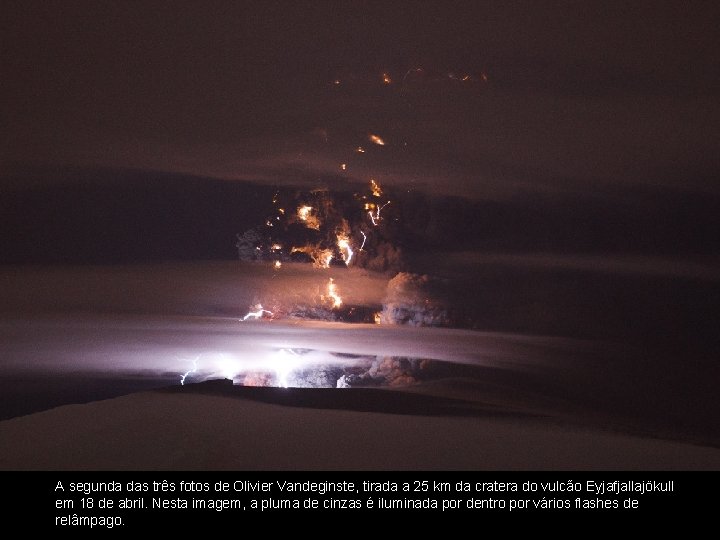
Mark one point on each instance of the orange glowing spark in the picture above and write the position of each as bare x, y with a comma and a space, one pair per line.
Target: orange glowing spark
360, 150
375, 188
336, 82
281, 210
386, 78
343, 166
466, 77
333, 295
277, 264
275, 247
377, 140
376, 317
304, 213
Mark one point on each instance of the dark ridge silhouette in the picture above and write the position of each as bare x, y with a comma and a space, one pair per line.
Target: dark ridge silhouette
351, 399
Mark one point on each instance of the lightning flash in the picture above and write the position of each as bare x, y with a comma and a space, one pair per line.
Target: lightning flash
257, 313
188, 372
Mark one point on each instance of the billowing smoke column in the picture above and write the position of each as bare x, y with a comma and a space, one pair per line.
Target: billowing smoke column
414, 300
327, 229
335, 230
363, 229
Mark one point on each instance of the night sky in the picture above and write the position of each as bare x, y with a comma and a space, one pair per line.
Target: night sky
553, 167
609, 104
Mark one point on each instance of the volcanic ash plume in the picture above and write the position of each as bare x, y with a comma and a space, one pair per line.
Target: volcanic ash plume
415, 300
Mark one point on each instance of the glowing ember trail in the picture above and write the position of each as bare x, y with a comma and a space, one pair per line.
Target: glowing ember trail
326, 259
257, 313
375, 188
333, 295
364, 240
377, 140
343, 243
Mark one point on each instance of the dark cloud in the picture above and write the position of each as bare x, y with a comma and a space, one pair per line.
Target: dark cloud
578, 95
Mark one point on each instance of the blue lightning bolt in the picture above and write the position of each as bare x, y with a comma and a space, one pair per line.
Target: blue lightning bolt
188, 372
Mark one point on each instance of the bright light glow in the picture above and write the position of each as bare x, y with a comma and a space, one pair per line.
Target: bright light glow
386, 78
277, 264
377, 140
227, 367
364, 240
333, 296
343, 166
343, 243
275, 247
304, 213
375, 188
257, 313
360, 150
284, 363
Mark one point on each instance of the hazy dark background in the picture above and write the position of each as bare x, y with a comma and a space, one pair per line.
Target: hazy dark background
581, 97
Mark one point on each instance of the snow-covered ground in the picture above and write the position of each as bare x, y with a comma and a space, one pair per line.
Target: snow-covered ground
171, 431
